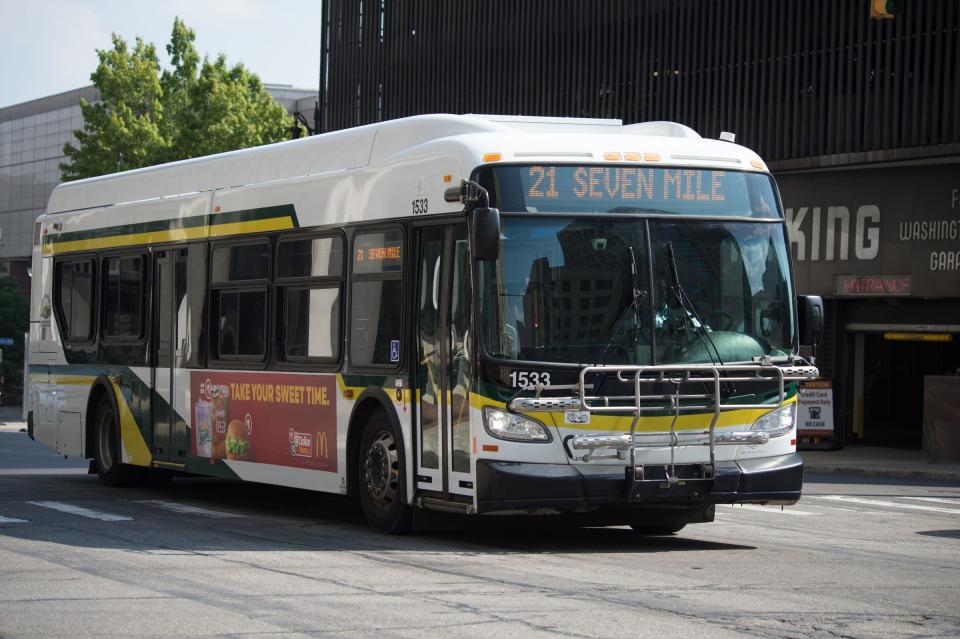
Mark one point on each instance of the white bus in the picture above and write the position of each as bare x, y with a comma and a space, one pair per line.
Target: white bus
474, 314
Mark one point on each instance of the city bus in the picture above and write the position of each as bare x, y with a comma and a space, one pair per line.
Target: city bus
483, 315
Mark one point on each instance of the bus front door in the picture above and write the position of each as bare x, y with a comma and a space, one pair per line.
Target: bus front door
170, 439
442, 368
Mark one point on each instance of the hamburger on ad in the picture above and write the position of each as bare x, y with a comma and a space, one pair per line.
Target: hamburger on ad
237, 444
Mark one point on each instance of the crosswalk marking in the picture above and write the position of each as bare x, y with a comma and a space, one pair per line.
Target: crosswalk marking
888, 504
77, 510
11, 520
188, 510
789, 510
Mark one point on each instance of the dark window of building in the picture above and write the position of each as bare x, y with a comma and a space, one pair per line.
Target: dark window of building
123, 297
375, 321
74, 294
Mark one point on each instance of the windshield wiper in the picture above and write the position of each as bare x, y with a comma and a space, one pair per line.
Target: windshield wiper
637, 296
687, 308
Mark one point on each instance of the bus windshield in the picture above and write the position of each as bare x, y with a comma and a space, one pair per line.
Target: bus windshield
600, 290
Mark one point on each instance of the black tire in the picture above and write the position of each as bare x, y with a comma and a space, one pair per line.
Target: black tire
658, 529
382, 477
106, 446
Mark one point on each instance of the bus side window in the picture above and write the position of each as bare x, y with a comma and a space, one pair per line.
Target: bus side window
309, 284
122, 297
376, 329
74, 294
239, 275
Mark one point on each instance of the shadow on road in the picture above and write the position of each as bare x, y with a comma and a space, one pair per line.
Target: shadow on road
948, 534
273, 518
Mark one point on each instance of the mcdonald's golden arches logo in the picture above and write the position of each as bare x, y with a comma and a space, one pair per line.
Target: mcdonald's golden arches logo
322, 450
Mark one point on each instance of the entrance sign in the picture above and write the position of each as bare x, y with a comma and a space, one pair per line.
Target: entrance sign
872, 285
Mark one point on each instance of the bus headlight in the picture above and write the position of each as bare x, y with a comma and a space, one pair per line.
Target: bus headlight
777, 422
504, 425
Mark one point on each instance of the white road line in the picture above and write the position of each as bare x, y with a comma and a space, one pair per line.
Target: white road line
939, 500
11, 520
888, 504
77, 510
789, 510
188, 510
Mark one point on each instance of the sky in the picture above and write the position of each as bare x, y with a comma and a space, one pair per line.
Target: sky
49, 46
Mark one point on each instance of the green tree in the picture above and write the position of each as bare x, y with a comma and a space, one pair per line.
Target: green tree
148, 116
123, 130
14, 320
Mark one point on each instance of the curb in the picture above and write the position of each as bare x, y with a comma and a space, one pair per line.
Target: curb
898, 473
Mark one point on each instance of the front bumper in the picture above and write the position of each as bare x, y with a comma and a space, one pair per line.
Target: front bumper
513, 486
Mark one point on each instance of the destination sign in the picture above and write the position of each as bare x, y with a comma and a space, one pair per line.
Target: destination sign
561, 188
378, 252
626, 183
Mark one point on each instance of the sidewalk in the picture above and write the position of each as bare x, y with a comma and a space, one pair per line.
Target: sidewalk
11, 419
877, 461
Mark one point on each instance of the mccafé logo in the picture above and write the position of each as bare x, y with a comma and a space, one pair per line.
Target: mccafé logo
301, 444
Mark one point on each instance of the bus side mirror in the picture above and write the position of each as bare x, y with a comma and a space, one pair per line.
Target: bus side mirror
810, 316
486, 233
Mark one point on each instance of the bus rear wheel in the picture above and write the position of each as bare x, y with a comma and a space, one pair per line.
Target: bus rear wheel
382, 477
106, 451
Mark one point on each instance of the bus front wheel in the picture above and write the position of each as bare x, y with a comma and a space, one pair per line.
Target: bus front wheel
382, 477
106, 452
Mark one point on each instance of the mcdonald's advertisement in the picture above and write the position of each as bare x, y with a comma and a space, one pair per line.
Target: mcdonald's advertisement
285, 419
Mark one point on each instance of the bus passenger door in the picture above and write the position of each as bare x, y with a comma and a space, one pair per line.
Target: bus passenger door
170, 440
442, 367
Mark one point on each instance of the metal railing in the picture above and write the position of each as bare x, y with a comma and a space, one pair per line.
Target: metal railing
707, 398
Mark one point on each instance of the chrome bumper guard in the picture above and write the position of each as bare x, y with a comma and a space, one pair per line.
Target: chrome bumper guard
677, 402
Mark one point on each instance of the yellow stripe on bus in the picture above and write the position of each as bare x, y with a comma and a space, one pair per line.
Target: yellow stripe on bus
131, 439
173, 235
621, 423
255, 226
116, 241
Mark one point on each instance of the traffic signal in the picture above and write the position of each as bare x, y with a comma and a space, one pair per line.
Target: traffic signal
880, 9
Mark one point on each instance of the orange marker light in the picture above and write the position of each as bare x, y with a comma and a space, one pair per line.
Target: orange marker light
632, 156
757, 164
611, 155
491, 448
216, 209
492, 157
447, 179
651, 157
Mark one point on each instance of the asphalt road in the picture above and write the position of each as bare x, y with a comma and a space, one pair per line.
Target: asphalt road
855, 558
